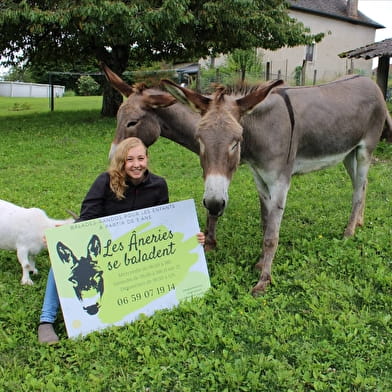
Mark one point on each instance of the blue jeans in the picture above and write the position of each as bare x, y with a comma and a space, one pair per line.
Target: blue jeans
51, 301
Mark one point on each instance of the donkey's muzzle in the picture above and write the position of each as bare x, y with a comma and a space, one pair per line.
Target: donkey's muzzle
214, 207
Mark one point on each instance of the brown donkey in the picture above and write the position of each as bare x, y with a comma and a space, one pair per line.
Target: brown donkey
283, 132
148, 113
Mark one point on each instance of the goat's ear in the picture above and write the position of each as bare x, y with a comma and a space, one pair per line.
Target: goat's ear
65, 254
94, 246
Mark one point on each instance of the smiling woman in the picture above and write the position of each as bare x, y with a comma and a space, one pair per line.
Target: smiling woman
113, 192
136, 163
126, 186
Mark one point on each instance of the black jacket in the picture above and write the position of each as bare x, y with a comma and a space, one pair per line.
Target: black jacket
101, 201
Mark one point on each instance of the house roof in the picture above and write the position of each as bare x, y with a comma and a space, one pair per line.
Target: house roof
336, 9
189, 69
375, 49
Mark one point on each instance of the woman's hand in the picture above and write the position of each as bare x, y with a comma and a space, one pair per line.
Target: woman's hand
201, 238
44, 237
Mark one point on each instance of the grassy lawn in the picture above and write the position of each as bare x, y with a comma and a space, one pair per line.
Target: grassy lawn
324, 325
28, 106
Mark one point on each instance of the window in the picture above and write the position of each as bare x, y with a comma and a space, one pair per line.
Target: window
309, 54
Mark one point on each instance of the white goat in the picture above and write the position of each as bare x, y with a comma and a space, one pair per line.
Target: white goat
23, 229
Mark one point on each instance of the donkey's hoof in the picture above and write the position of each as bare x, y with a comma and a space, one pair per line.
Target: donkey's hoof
349, 232
260, 287
209, 245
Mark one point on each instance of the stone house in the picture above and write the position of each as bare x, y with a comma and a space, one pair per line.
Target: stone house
344, 26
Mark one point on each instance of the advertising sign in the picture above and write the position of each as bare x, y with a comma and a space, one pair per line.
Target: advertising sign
110, 270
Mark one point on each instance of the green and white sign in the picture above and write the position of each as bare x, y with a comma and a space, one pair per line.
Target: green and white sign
110, 270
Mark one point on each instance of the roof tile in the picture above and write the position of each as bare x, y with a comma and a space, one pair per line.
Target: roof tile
332, 8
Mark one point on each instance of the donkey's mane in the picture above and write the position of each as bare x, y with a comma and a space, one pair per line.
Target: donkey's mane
139, 87
236, 89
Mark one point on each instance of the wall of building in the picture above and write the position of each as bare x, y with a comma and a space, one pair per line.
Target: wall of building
340, 36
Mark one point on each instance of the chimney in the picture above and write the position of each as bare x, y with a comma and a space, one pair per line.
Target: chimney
352, 8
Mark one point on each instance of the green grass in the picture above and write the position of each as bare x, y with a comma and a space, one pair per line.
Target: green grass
28, 106
324, 325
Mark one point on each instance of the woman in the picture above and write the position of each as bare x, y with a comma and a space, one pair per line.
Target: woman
126, 186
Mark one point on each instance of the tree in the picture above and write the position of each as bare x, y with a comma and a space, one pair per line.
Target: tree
137, 31
245, 60
19, 74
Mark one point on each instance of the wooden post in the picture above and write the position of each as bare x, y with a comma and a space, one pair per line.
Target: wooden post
382, 74
51, 92
198, 79
303, 73
285, 72
268, 71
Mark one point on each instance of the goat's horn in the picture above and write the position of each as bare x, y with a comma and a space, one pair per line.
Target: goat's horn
75, 216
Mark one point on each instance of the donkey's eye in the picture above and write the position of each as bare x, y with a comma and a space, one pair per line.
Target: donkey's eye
132, 123
202, 147
234, 146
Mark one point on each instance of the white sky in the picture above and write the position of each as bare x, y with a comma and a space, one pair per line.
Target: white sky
378, 10
381, 12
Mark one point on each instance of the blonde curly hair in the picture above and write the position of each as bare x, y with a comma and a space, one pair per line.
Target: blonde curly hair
117, 165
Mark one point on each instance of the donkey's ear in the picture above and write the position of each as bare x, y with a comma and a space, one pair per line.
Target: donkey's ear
94, 246
163, 100
246, 104
197, 102
65, 254
116, 82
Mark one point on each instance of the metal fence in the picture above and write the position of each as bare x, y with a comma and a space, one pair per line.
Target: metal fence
30, 90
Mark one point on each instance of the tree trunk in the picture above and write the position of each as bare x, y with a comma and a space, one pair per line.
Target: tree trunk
116, 60
243, 73
111, 101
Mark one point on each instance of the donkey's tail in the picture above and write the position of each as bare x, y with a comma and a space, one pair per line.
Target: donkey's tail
387, 132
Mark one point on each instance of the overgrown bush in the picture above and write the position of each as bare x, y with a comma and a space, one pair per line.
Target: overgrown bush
86, 85
69, 93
